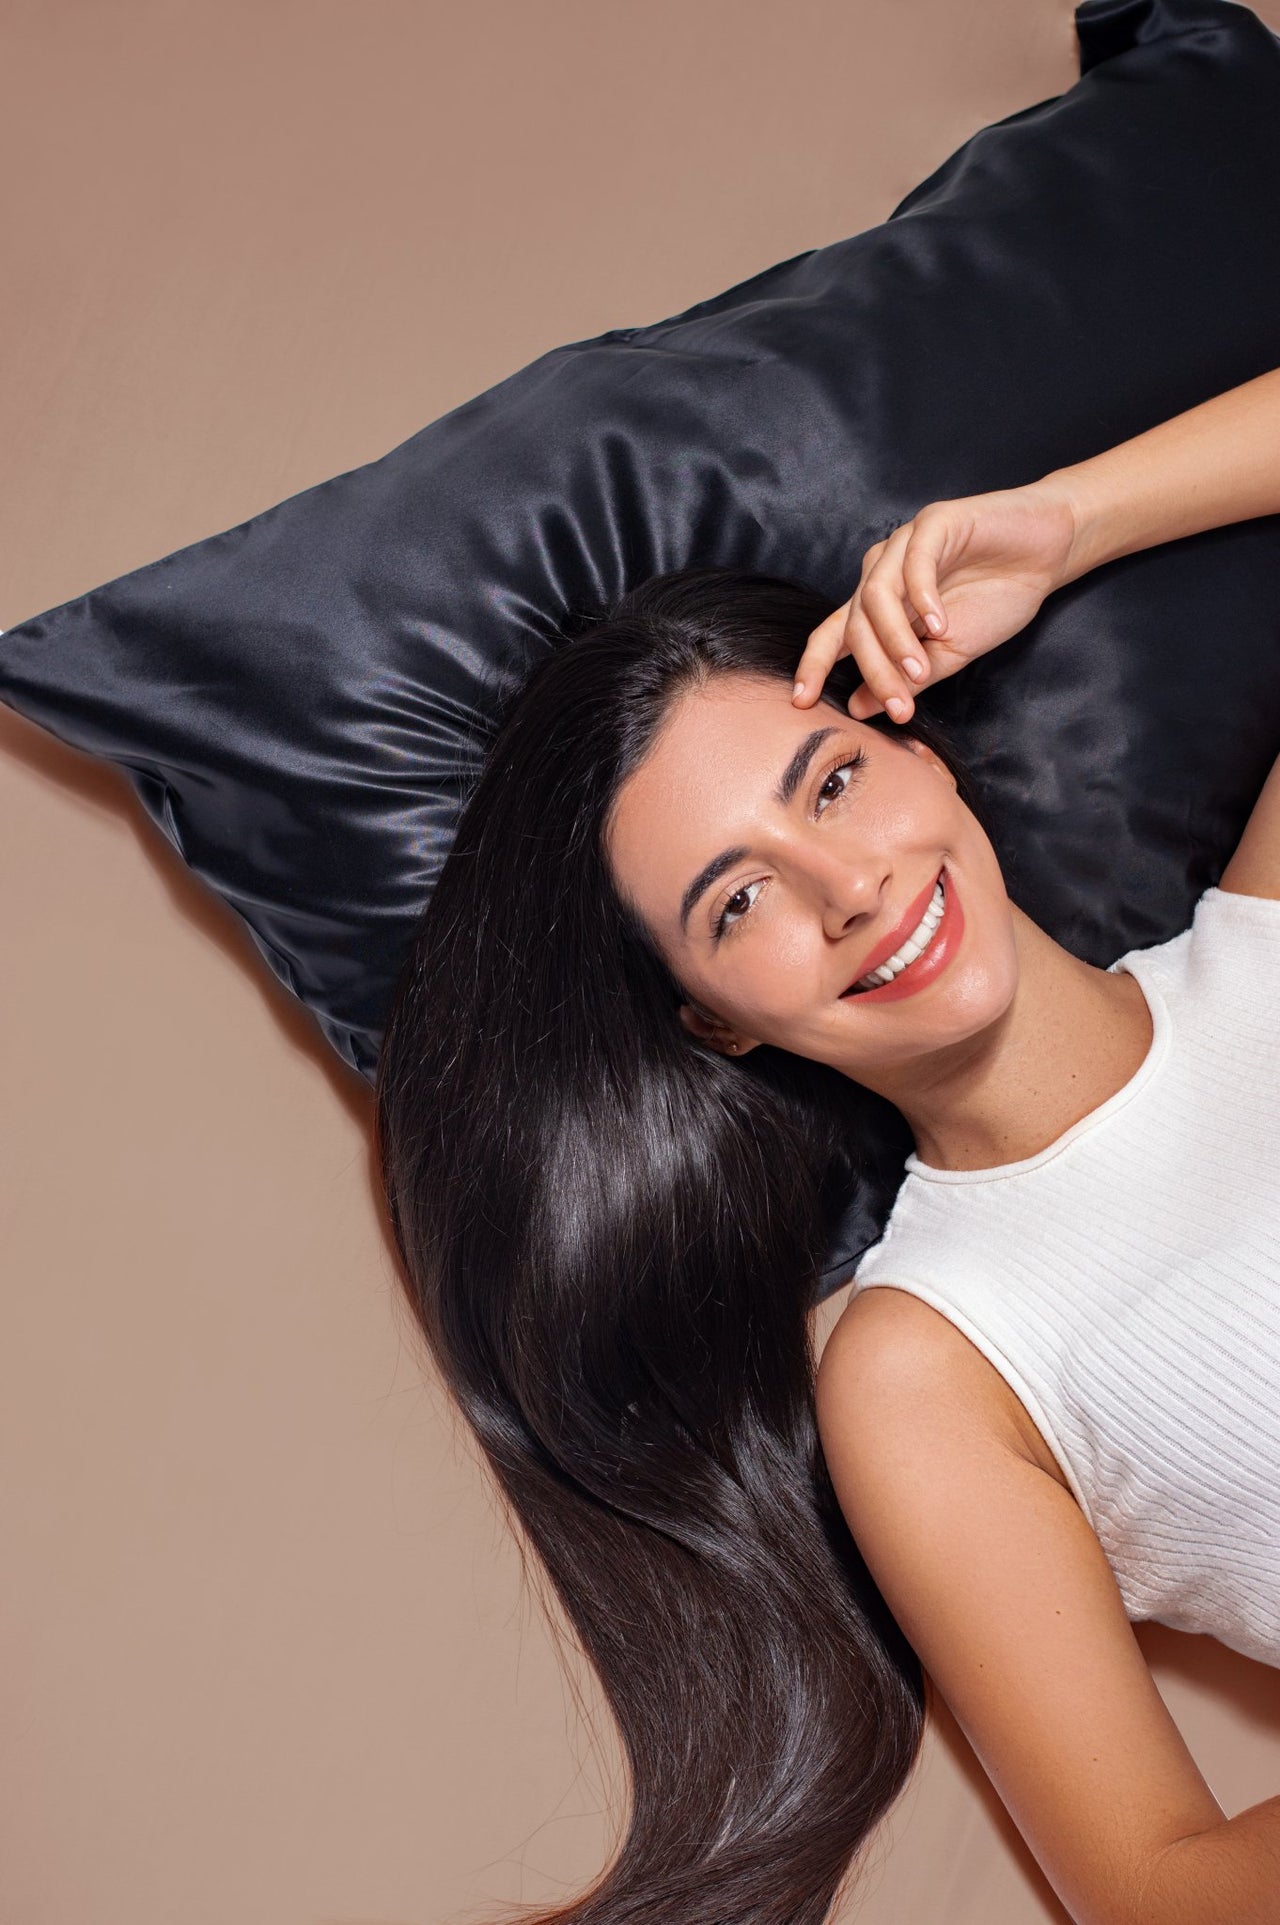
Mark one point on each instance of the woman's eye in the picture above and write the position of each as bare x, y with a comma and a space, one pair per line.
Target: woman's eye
728, 915
854, 763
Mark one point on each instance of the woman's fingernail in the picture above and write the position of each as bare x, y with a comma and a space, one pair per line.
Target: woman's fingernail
913, 667
896, 707
797, 690
934, 624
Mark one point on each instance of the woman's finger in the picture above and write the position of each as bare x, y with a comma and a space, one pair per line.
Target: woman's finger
881, 674
920, 575
825, 645
882, 600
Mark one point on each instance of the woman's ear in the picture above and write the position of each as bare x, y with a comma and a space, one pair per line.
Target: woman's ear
709, 1029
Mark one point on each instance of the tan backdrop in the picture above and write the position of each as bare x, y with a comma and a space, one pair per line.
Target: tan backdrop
268, 1656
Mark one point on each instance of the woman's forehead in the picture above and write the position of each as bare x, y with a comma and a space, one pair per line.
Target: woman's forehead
733, 714
729, 726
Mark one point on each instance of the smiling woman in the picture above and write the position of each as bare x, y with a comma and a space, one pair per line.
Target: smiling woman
613, 1173
672, 1093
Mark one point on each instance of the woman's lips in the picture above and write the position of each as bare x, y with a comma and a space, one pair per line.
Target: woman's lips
892, 943
917, 974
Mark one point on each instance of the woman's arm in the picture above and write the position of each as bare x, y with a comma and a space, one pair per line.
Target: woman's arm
964, 575
1000, 1584
1214, 464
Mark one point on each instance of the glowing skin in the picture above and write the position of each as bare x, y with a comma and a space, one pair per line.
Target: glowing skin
992, 1055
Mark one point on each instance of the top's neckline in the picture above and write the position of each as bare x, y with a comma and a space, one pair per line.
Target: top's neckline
1156, 1052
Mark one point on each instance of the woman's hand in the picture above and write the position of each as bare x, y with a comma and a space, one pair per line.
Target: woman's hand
955, 582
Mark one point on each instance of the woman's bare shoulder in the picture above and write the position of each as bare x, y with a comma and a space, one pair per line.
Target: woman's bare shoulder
895, 1330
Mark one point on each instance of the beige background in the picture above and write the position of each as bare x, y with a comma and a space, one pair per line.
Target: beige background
267, 1651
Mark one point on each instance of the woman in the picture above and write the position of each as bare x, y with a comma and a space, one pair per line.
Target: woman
699, 958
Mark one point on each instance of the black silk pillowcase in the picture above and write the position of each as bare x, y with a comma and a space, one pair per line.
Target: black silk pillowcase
301, 702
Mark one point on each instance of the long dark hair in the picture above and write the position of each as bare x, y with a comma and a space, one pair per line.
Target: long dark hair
611, 1237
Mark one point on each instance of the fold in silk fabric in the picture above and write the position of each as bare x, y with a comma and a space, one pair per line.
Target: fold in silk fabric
301, 702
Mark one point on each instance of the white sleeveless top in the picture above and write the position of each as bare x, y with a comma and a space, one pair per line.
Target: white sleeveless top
1125, 1282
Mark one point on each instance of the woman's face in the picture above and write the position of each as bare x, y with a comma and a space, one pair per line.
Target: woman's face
772, 852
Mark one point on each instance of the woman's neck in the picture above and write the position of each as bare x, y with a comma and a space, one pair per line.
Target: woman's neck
1071, 1037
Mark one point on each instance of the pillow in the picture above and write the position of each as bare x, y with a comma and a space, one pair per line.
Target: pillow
301, 702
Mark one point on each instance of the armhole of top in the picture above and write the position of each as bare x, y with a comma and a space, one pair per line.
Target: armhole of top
1264, 905
1247, 927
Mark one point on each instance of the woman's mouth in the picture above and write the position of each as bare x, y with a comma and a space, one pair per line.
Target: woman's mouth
924, 954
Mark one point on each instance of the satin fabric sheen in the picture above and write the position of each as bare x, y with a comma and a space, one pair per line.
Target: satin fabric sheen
302, 701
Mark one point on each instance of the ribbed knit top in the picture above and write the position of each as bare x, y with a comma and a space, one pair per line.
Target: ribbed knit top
1125, 1282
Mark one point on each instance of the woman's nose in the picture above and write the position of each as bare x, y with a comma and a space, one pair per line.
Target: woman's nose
848, 889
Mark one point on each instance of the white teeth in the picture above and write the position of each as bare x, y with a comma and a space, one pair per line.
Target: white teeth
915, 945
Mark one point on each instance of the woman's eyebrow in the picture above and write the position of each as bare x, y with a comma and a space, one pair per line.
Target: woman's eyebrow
788, 782
793, 775
706, 876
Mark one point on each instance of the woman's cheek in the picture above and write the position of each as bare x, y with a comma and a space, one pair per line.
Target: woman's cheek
788, 979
